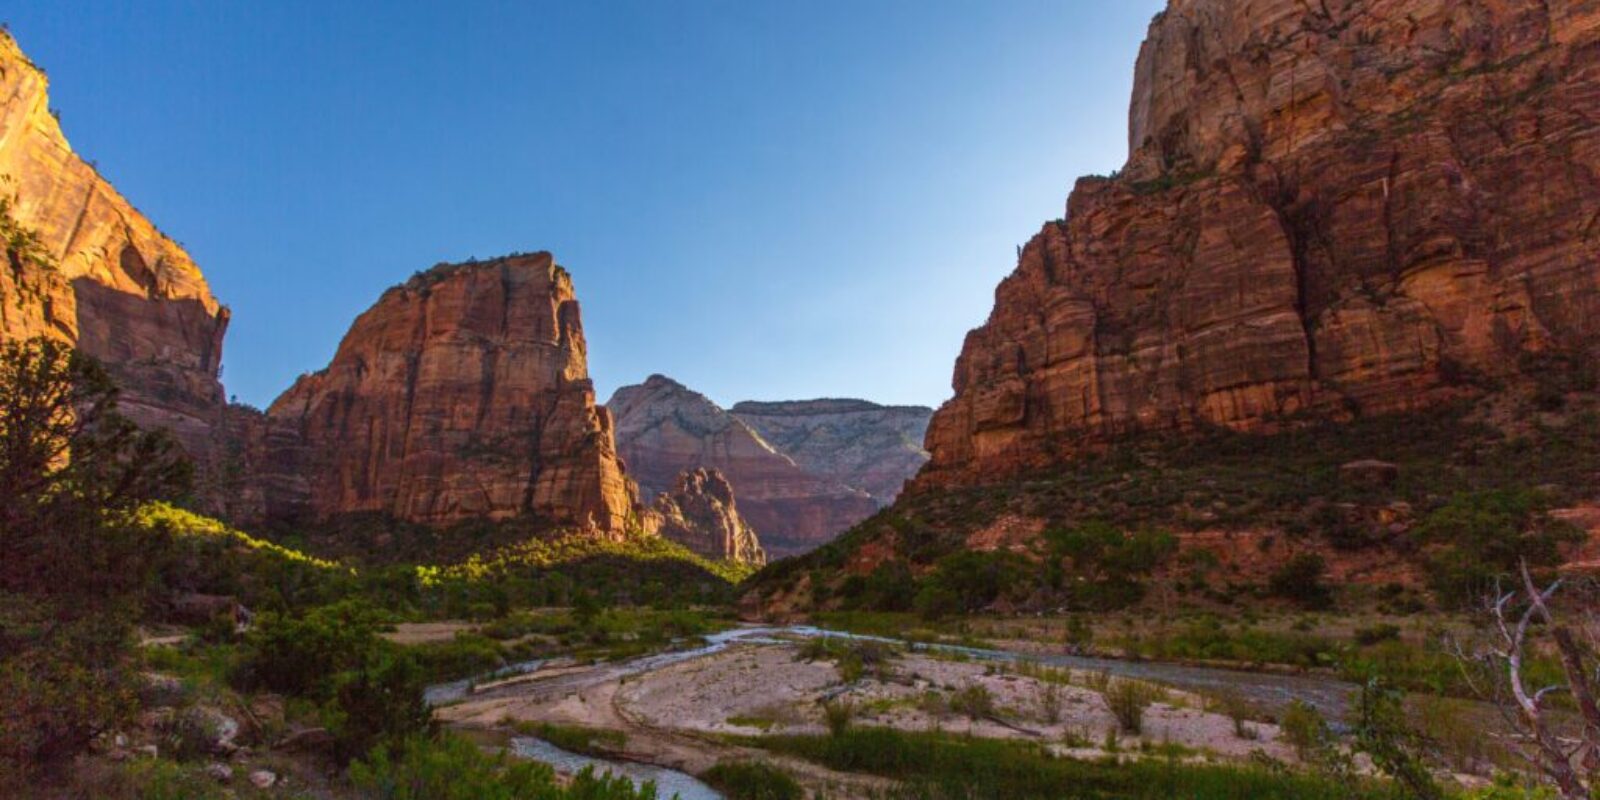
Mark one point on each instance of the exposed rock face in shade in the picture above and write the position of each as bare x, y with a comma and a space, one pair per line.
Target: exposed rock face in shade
104, 278
462, 394
664, 429
700, 513
1329, 208
860, 444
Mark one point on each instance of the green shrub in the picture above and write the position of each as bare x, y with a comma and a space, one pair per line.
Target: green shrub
1306, 731
381, 702
838, 714
973, 700
452, 768
301, 655
1485, 536
1128, 700
1301, 581
748, 780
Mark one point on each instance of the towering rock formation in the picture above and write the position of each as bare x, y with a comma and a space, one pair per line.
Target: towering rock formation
1352, 206
664, 429
701, 514
859, 444
463, 393
84, 266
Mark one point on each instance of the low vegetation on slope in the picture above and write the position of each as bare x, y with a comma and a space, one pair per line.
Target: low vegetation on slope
1460, 494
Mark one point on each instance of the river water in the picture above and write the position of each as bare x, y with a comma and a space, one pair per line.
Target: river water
1269, 691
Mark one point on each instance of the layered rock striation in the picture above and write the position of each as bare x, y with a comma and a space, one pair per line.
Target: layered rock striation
664, 429
861, 444
700, 513
84, 266
462, 394
1329, 209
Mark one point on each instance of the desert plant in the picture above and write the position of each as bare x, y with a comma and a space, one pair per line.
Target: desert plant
838, 714
1050, 703
1305, 729
1128, 701
973, 700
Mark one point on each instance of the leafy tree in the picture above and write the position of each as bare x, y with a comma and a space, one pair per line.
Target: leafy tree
1104, 564
71, 561
1486, 535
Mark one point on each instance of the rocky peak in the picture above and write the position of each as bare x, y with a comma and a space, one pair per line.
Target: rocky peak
1329, 209
463, 393
665, 429
100, 275
700, 513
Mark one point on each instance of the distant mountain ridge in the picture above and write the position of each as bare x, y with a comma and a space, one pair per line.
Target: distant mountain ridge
802, 471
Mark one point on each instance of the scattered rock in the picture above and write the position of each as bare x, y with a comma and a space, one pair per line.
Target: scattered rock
263, 779
221, 773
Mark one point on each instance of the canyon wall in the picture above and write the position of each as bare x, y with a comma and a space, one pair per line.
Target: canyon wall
84, 266
860, 444
665, 429
1329, 209
463, 393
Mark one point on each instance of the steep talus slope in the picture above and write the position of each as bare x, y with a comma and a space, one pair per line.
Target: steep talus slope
664, 429
1339, 208
462, 394
83, 265
861, 444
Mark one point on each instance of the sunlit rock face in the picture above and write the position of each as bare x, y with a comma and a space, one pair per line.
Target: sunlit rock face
462, 394
701, 513
1329, 208
106, 279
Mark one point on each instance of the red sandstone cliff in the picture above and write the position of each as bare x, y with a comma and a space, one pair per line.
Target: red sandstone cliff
1345, 207
98, 274
700, 513
664, 429
463, 393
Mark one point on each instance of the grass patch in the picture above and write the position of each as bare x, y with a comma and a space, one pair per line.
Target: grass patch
749, 780
600, 742
936, 765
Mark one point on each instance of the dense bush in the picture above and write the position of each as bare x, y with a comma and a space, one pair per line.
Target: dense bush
302, 655
1102, 567
1483, 536
1301, 580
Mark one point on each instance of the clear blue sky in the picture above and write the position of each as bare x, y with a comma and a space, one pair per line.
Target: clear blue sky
762, 199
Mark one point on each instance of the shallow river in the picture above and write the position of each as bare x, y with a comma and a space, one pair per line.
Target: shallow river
1269, 691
